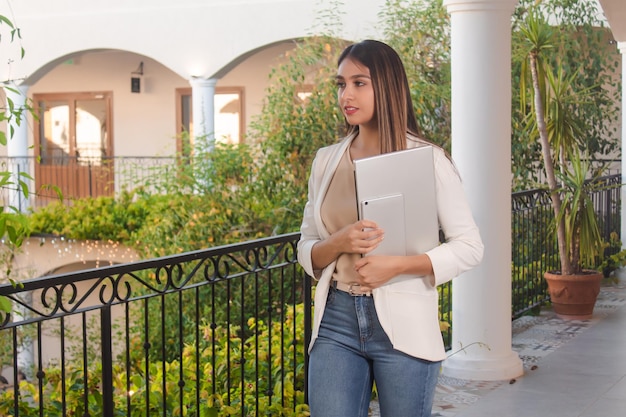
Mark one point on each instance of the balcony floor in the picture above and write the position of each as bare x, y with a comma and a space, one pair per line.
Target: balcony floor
573, 368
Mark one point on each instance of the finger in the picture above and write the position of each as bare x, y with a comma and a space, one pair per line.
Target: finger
373, 242
376, 234
367, 224
360, 263
370, 235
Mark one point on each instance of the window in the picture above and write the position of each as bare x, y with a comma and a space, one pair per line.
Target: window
73, 126
229, 120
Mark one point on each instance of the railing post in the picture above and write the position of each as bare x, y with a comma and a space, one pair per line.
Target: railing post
89, 168
107, 362
308, 328
17, 186
608, 218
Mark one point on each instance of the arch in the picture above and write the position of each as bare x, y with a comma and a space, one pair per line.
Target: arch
46, 255
78, 266
75, 56
215, 33
247, 54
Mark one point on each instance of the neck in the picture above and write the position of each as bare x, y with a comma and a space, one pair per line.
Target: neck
366, 143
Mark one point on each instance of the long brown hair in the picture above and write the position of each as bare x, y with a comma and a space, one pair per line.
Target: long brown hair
394, 108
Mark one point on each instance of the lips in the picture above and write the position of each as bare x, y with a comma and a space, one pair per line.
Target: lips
349, 110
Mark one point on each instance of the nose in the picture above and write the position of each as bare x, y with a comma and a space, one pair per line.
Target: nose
345, 93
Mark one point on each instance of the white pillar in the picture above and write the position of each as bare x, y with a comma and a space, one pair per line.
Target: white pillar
203, 111
481, 148
622, 49
17, 147
17, 151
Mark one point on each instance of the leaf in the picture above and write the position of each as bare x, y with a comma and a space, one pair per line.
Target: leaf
5, 304
5, 20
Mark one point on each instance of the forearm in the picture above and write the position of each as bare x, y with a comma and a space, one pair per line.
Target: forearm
376, 271
324, 252
415, 265
361, 237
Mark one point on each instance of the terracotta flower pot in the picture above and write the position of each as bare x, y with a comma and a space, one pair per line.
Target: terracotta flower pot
574, 296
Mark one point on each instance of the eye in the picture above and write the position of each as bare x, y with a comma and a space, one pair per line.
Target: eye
341, 84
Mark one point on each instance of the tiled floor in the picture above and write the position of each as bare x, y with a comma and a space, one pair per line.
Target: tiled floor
534, 338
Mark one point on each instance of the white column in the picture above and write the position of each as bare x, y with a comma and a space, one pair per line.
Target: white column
17, 147
481, 148
203, 111
622, 48
17, 151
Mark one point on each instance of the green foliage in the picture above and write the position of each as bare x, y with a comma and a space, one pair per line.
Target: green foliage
614, 256
232, 378
445, 312
528, 290
102, 218
13, 224
612, 263
11, 114
582, 233
300, 115
556, 106
419, 30
208, 201
578, 44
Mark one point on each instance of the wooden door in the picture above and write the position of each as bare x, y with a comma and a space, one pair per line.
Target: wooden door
73, 145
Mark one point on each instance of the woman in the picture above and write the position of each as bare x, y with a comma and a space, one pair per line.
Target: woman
368, 328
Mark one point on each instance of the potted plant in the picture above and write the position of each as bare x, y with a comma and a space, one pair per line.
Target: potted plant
573, 292
553, 118
612, 266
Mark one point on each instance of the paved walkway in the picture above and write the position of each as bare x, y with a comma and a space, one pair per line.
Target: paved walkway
572, 368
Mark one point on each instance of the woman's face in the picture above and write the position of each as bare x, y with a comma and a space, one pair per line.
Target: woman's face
355, 93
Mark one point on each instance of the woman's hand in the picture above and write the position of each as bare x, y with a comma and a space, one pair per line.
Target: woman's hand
375, 271
361, 237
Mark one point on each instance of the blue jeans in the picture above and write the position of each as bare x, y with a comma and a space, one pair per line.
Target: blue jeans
351, 353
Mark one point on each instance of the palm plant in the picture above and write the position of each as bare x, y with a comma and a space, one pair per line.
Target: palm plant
583, 241
554, 119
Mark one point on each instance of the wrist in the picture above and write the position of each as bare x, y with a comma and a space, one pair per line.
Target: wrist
416, 265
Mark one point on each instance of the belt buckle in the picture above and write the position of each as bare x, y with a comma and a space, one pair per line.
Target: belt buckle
353, 293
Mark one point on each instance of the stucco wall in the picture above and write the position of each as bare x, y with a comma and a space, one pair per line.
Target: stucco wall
145, 124
191, 37
41, 256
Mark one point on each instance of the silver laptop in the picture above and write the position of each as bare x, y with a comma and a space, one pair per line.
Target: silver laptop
397, 191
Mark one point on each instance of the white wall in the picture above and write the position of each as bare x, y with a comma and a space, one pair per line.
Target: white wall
144, 124
191, 37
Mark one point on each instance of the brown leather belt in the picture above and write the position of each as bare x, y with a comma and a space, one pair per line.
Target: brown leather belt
352, 289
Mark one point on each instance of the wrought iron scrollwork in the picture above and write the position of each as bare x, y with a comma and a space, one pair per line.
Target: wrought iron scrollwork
79, 291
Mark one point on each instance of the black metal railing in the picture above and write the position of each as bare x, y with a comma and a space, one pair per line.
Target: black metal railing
534, 248
196, 334
52, 178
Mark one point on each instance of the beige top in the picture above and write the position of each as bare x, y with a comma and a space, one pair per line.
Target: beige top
339, 209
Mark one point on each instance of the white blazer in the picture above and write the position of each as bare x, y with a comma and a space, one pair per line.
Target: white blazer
407, 309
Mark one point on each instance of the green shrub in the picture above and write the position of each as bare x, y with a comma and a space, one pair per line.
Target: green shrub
232, 377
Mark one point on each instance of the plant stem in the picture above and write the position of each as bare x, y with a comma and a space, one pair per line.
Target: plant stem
566, 266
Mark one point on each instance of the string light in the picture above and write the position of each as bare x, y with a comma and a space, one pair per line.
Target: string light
59, 252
